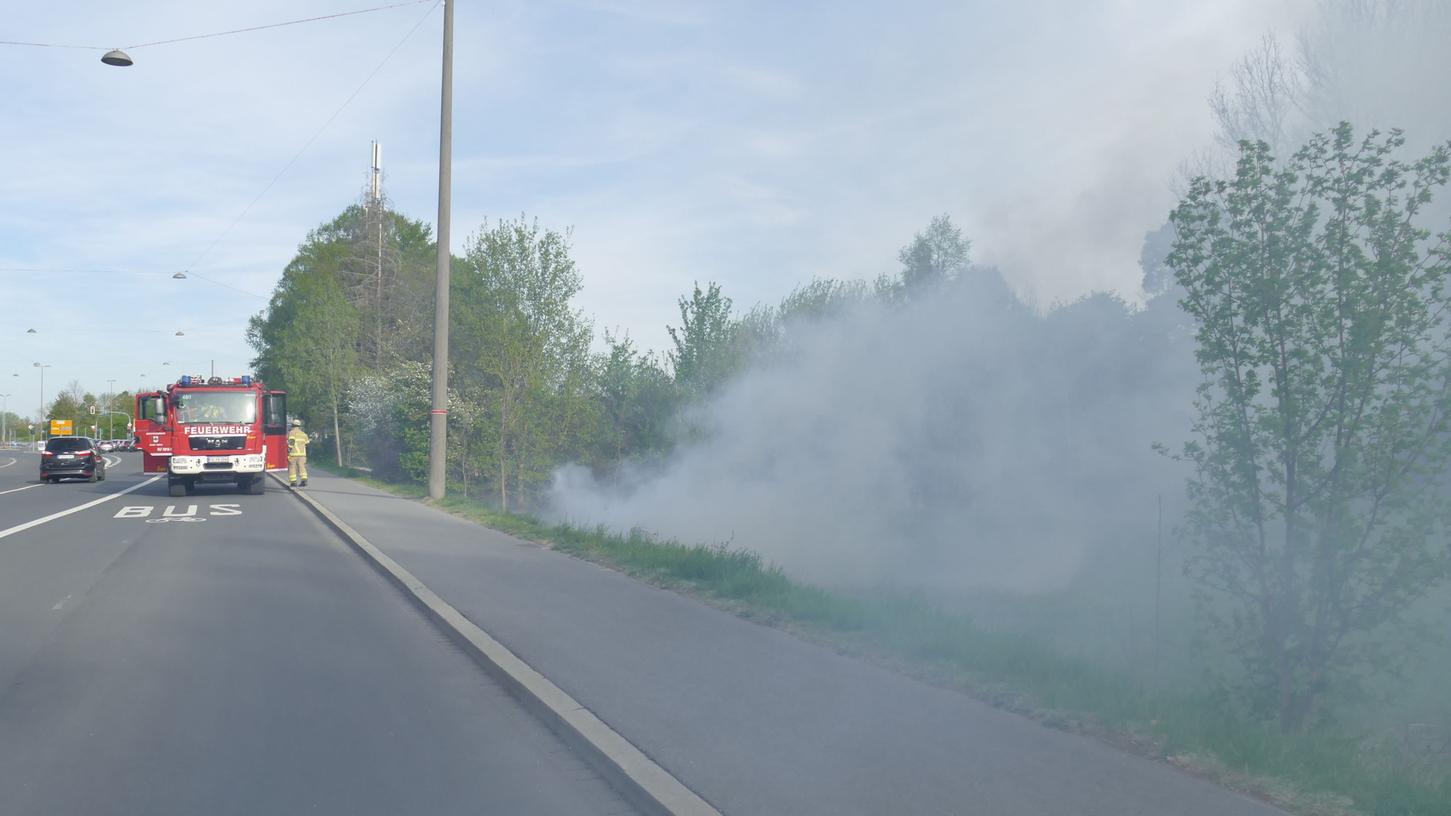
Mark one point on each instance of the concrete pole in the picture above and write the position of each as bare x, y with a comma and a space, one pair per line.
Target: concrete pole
438, 416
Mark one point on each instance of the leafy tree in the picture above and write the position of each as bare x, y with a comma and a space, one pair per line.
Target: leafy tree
1321, 311
523, 348
935, 256
702, 357
318, 353
394, 305
637, 401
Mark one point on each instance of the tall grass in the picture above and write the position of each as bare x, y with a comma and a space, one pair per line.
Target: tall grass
1325, 772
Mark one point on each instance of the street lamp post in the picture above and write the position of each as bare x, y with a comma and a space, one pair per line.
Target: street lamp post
438, 416
42, 368
4, 415
111, 406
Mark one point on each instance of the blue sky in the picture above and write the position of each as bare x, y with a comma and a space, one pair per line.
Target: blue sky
758, 144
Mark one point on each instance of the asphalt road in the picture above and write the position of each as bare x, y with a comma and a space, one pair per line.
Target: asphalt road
749, 717
225, 654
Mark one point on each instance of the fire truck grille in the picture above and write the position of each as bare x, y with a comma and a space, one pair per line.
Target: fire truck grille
218, 442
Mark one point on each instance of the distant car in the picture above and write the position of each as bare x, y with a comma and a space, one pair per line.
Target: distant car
71, 456
107, 446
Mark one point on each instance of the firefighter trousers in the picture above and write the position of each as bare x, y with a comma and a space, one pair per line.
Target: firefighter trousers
296, 469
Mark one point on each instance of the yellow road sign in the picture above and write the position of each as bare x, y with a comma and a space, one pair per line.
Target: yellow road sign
62, 427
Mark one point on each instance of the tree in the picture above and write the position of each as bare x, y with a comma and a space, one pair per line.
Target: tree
1322, 338
523, 348
393, 301
318, 353
636, 401
702, 356
1264, 102
935, 256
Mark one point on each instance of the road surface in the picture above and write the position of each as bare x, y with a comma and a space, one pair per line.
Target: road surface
749, 717
226, 654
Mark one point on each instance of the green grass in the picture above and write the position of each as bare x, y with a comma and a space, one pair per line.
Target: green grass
1324, 773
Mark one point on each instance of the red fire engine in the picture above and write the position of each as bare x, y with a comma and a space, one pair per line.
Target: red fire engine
212, 429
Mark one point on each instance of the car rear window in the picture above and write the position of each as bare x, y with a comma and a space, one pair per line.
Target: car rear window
68, 443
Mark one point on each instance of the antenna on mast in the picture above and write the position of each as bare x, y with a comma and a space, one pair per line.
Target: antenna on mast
375, 188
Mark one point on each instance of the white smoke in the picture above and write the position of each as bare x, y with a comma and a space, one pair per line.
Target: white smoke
958, 440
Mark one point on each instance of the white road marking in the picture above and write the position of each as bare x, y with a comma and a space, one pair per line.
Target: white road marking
18, 489
20, 528
61, 603
143, 511
112, 461
8, 463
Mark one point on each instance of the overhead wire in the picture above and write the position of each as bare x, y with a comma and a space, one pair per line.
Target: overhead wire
290, 162
221, 33
314, 136
278, 25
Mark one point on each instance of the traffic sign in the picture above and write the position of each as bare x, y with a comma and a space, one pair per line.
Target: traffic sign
91, 408
62, 427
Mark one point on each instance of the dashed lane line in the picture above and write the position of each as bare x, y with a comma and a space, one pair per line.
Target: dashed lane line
20, 528
18, 489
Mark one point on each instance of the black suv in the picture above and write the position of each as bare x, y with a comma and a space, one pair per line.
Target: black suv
71, 456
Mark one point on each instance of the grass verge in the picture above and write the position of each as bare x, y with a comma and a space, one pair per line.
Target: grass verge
1321, 773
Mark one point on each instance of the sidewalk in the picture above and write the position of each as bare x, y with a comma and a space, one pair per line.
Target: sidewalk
750, 718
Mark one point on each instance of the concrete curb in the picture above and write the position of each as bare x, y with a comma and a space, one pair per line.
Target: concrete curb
648, 786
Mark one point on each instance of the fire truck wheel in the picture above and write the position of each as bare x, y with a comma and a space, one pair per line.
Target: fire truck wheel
190, 486
176, 487
257, 486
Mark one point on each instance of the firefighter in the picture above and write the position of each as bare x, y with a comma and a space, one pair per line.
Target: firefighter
297, 454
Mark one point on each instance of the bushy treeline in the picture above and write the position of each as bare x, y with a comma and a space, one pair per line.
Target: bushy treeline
348, 333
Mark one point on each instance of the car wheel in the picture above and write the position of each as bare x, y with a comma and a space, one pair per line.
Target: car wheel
93, 477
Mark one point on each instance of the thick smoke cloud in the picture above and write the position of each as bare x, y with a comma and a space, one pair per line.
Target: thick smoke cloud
963, 441
957, 440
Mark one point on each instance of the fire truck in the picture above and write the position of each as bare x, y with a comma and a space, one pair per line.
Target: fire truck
210, 429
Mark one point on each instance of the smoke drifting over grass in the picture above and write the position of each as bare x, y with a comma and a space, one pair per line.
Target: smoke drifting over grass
955, 440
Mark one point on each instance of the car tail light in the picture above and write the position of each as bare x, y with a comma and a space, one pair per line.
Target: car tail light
84, 453
46, 453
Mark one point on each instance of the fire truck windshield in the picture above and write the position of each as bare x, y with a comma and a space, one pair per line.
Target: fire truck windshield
232, 407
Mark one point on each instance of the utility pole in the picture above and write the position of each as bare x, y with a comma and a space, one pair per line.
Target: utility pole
438, 416
4, 415
376, 200
43, 412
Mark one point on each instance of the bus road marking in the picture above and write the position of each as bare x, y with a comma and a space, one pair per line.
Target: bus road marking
172, 512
